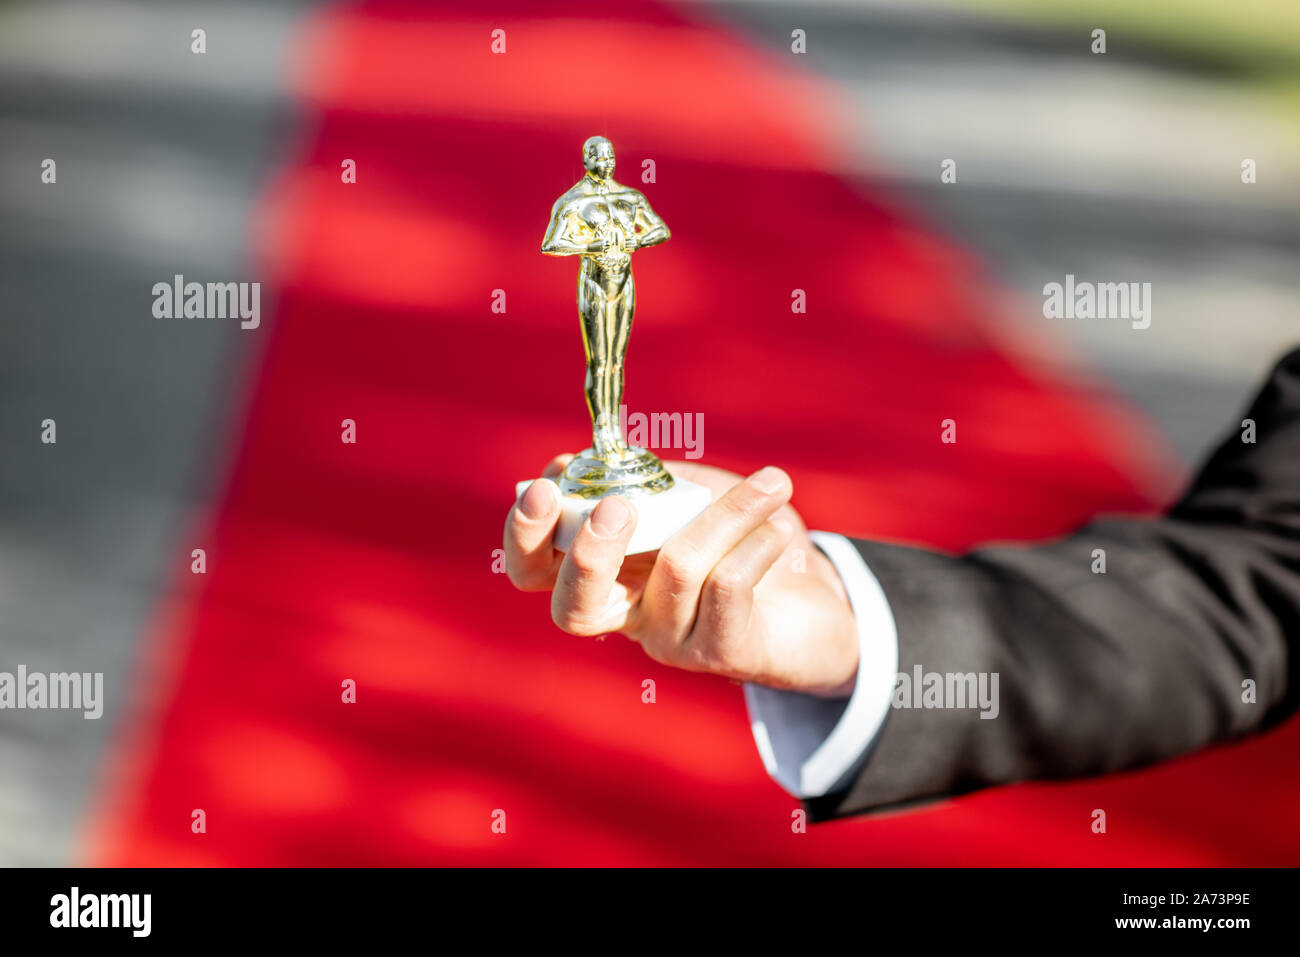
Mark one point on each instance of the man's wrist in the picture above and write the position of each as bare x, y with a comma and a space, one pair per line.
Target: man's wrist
848, 640
813, 746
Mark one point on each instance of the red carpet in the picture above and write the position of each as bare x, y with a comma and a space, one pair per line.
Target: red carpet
374, 561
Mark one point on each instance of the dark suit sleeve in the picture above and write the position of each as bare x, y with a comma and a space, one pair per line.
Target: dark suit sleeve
1099, 672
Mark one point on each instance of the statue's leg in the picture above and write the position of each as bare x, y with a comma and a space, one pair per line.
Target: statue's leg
606, 308
593, 309
620, 332
608, 440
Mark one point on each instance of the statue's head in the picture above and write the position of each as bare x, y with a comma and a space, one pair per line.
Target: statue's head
598, 157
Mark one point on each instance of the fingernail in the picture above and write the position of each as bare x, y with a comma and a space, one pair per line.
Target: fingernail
610, 517
769, 480
783, 525
538, 499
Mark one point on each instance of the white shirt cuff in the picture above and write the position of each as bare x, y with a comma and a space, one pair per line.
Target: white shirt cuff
814, 746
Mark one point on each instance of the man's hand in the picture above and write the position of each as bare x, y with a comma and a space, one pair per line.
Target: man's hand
740, 592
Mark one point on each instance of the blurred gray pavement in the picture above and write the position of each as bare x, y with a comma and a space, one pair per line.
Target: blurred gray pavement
161, 154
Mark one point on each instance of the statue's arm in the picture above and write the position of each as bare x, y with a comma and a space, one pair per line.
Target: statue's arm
653, 229
557, 241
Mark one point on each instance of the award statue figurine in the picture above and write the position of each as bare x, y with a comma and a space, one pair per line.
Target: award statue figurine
603, 222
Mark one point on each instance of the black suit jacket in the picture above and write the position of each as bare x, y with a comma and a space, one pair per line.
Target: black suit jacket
1099, 672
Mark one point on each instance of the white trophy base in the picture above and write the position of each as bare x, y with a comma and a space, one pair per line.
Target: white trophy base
659, 516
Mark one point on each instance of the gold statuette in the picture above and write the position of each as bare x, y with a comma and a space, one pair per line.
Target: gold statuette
603, 223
